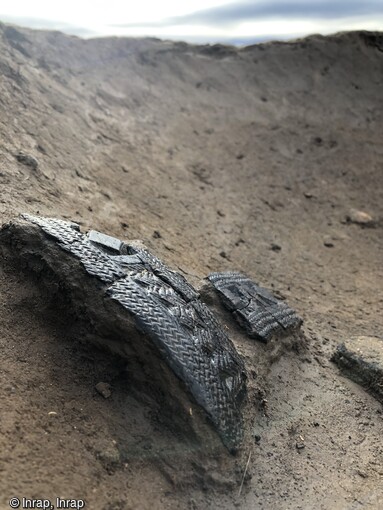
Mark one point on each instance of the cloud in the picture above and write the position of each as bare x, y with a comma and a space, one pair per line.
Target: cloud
247, 11
235, 22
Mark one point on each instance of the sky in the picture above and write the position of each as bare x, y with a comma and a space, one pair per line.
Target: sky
196, 21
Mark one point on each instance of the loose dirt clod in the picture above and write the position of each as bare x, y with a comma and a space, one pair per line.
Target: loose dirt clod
104, 389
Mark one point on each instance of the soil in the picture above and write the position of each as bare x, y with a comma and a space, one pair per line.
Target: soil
218, 158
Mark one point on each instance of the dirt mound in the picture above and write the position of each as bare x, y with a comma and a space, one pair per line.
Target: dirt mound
219, 158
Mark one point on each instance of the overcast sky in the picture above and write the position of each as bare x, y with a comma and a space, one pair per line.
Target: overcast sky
230, 21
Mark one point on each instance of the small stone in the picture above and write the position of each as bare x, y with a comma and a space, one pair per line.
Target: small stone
41, 149
108, 454
275, 247
328, 243
157, 234
104, 389
27, 160
300, 443
307, 194
52, 413
360, 218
